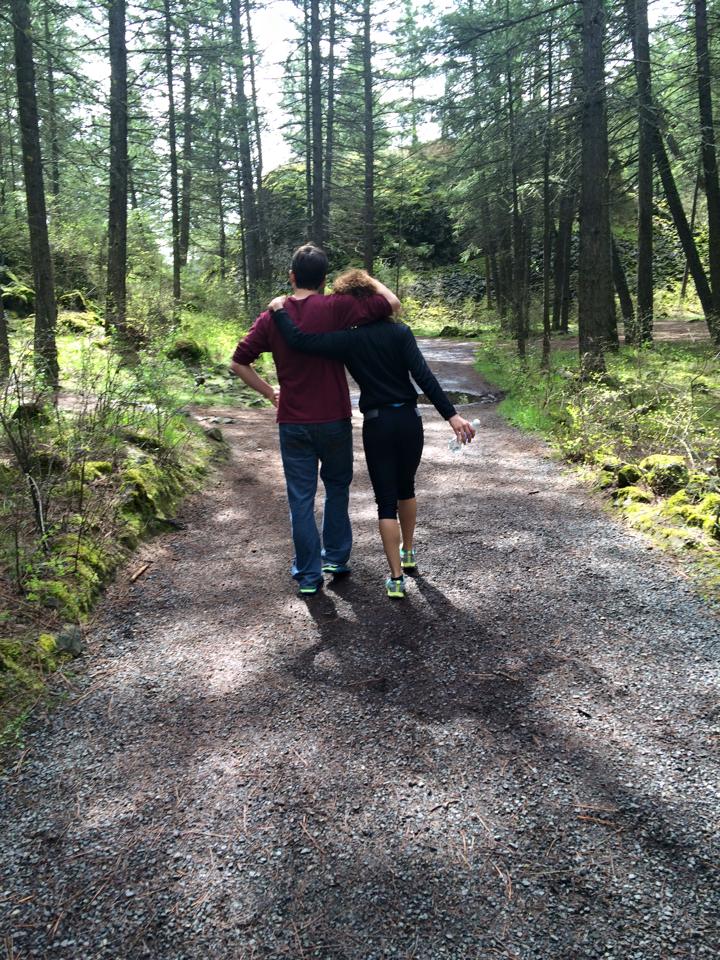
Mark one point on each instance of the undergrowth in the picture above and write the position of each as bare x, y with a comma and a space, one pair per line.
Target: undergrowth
83, 477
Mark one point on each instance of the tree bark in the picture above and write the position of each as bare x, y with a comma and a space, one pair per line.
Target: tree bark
369, 150
186, 182
709, 155
263, 254
172, 137
116, 310
637, 15
45, 307
623, 292
52, 110
329, 121
4, 336
548, 219
316, 113
595, 286
249, 208
685, 236
561, 267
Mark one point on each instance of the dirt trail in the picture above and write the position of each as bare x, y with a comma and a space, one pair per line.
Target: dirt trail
520, 760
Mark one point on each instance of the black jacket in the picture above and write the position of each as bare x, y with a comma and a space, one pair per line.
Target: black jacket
380, 356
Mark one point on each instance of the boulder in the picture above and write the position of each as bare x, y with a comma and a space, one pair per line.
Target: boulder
665, 474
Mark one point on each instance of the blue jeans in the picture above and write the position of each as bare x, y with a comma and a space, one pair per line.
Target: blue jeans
303, 446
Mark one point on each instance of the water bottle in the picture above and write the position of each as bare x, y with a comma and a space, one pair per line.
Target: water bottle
454, 445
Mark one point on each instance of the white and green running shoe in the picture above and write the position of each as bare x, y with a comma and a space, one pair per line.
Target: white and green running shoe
407, 560
336, 569
395, 588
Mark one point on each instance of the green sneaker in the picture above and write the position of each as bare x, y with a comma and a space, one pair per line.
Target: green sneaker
309, 591
395, 588
336, 569
407, 560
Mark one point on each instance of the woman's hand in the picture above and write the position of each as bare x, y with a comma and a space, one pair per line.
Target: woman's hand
278, 303
463, 429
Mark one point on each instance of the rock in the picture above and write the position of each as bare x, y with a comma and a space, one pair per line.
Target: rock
629, 474
186, 350
31, 413
70, 640
606, 480
216, 434
665, 473
632, 495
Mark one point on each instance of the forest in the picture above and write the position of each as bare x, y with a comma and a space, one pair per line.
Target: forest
539, 177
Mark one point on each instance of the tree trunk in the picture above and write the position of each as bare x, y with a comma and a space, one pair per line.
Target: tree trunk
218, 173
45, 306
52, 110
329, 121
186, 182
595, 287
369, 126
693, 214
709, 156
623, 292
4, 337
316, 113
637, 15
116, 309
172, 137
249, 208
685, 236
263, 253
548, 219
308, 121
561, 269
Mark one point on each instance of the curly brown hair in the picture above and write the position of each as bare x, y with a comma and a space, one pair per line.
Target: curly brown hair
357, 283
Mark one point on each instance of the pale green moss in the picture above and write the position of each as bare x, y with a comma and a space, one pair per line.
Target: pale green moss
632, 495
665, 473
629, 474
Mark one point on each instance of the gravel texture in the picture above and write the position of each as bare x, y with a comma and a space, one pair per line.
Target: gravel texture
520, 760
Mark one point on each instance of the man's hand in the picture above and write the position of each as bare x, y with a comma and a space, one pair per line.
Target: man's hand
464, 430
274, 396
278, 303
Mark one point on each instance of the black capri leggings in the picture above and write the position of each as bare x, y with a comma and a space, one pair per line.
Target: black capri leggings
393, 442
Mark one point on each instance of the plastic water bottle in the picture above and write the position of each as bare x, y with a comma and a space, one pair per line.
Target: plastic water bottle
454, 444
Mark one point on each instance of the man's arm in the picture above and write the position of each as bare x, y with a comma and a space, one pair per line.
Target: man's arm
247, 351
249, 376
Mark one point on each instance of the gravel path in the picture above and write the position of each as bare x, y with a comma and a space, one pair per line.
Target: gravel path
519, 761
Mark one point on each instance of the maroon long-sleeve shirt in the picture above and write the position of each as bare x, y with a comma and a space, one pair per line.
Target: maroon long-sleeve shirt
312, 389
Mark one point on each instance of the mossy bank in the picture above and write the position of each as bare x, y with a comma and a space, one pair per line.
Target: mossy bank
80, 487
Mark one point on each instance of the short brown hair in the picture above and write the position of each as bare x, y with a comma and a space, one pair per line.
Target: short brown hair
310, 266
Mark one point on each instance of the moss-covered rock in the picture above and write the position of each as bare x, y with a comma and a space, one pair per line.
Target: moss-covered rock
187, 350
698, 485
680, 505
605, 480
629, 474
91, 470
74, 321
608, 462
632, 495
710, 508
149, 489
665, 473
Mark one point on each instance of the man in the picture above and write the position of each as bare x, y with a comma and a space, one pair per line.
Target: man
314, 413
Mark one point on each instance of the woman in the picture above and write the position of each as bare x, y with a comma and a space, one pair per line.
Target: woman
381, 357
